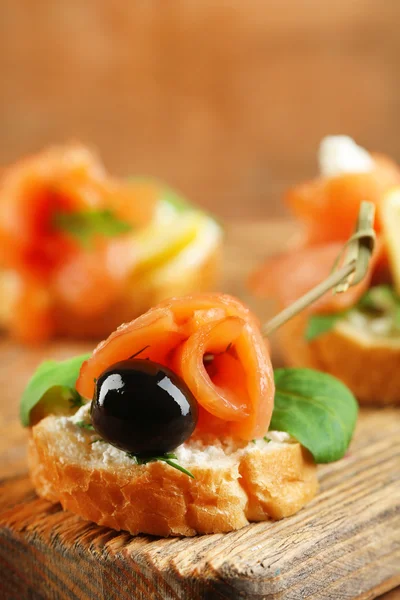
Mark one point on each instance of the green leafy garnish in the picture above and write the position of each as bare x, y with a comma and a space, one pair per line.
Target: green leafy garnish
166, 194
76, 400
167, 458
381, 298
175, 200
378, 301
316, 409
171, 199
319, 324
396, 318
85, 225
85, 425
52, 389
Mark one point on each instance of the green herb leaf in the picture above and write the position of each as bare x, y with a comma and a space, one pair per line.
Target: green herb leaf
51, 389
84, 225
316, 409
75, 400
166, 194
176, 466
381, 300
376, 301
380, 297
396, 317
167, 458
172, 199
175, 200
319, 324
85, 425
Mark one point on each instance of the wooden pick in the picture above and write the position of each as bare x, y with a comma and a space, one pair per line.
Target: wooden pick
357, 253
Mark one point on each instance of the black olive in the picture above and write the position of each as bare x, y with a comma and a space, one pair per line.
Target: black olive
143, 408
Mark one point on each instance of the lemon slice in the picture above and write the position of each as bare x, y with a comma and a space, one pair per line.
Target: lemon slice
160, 242
192, 256
390, 216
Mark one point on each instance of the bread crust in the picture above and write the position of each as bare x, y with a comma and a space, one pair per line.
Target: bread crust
159, 500
368, 366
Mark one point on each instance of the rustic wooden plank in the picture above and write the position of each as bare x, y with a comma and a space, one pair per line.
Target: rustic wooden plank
345, 544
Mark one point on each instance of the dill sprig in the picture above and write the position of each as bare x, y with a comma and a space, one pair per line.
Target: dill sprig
167, 458
76, 400
84, 425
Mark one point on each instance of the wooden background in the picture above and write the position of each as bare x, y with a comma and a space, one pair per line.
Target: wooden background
225, 99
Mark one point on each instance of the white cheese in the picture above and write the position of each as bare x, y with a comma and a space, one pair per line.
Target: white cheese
339, 154
194, 452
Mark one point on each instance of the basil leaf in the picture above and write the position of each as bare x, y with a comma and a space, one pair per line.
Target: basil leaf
52, 388
316, 409
319, 324
84, 225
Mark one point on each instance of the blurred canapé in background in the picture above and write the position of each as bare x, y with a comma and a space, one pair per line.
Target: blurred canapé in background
226, 101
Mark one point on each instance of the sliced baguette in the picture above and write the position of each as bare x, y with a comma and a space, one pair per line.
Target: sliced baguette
232, 486
368, 364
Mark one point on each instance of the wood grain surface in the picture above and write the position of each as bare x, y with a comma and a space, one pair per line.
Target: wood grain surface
225, 100
343, 545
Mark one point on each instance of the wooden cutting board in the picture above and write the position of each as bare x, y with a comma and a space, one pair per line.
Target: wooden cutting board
343, 545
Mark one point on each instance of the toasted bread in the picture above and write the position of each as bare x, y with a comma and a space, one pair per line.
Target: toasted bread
368, 364
234, 482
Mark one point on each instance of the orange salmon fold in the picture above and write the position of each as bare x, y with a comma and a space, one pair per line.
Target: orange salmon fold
235, 390
52, 266
328, 206
289, 275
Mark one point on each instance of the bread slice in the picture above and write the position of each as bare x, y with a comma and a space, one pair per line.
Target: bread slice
234, 483
366, 362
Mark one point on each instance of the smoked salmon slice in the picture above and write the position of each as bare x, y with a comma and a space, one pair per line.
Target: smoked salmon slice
328, 206
214, 343
55, 272
289, 275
